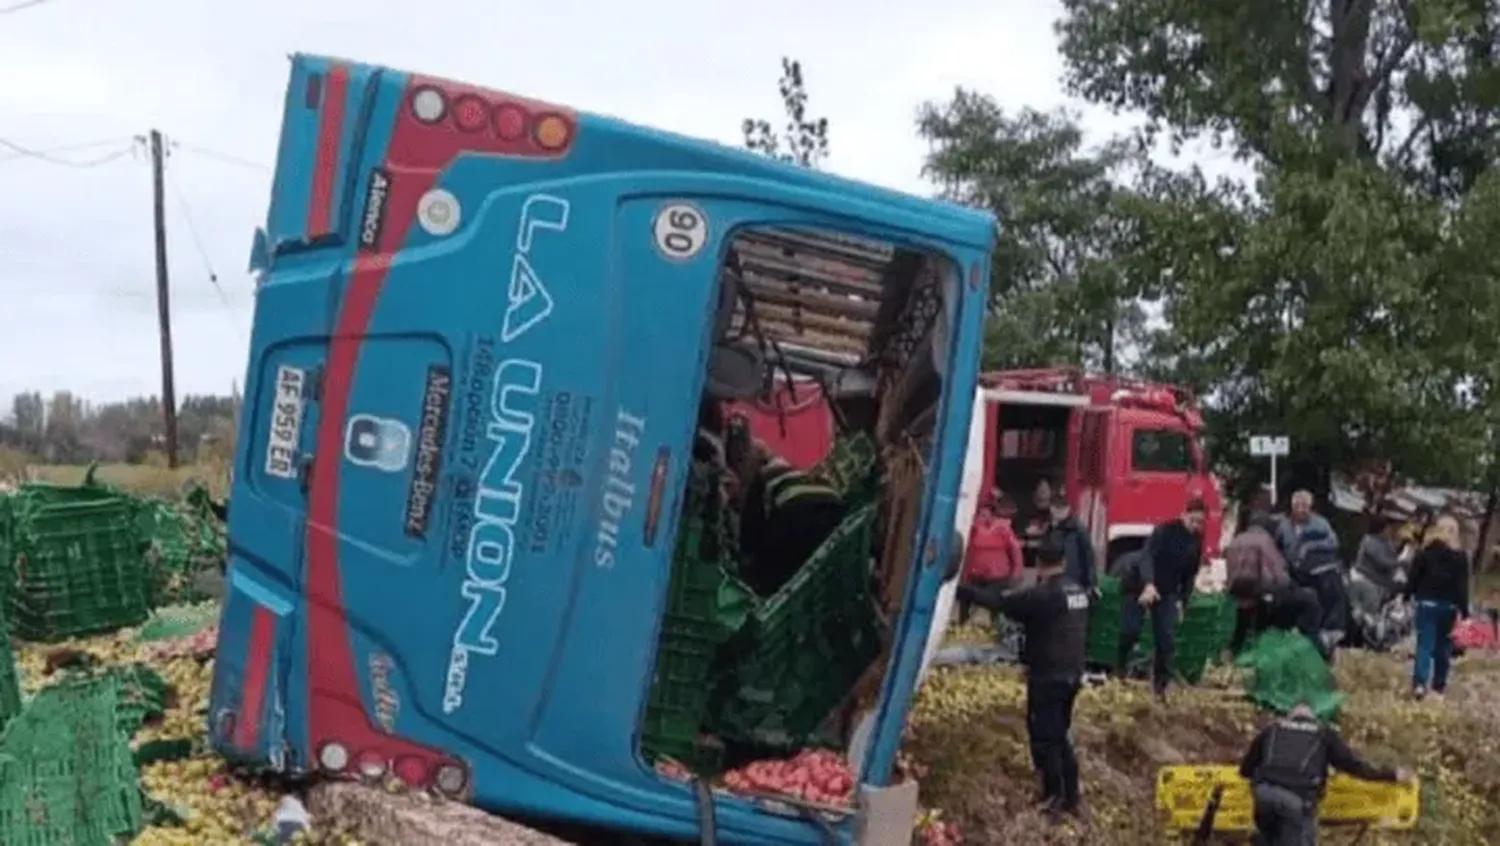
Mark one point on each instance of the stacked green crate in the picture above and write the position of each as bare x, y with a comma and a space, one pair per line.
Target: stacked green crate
1206, 627
7, 551
78, 564
10, 679
1205, 631
67, 776
705, 606
1104, 624
806, 646
180, 542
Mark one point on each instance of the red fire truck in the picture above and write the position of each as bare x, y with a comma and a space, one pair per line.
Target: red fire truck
1127, 451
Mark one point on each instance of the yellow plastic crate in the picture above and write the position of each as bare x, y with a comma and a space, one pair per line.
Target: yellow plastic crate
1182, 794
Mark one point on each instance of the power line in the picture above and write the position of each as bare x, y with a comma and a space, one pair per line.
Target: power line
49, 155
227, 158
24, 4
187, 217
208, 265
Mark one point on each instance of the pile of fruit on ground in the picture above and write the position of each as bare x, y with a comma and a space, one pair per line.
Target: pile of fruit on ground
200, 802
210, 805
967, 747
967, 738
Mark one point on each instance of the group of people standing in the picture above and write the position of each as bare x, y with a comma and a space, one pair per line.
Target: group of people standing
1006, 542
1285, 572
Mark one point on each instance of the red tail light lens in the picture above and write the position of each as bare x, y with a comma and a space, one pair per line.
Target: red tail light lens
371, 764
470, 113
412, 771
510, 123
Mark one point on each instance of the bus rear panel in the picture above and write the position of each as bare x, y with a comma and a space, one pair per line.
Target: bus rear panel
482, 333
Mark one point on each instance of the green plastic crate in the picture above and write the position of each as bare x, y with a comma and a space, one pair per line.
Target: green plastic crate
1206, 627
10, 680
67, 776
706, 605
178, 621
78, 569
180, 540
850, 468
806, 646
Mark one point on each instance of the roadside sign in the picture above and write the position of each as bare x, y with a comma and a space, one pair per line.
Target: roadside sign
1270, 446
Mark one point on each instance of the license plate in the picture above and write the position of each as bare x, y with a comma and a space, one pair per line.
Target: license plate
286, 423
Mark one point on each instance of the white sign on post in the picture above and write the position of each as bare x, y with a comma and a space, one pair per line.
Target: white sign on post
1272, 447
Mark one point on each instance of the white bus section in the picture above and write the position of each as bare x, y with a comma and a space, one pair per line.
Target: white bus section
942, 612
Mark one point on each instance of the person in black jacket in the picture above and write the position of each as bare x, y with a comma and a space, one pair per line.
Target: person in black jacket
1033, 522
1278, 606
1078, 547
1055, 614
1439, 583
1287, 767
1162, 587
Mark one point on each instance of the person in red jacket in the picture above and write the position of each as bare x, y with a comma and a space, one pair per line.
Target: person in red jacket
994, 553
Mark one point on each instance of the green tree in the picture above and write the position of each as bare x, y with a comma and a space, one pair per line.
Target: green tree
1320, 300
1066, 285
803, 140
1413, 83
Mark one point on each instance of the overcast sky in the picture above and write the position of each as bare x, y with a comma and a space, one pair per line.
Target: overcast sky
76, 267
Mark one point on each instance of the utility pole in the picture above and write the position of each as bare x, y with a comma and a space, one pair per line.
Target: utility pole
163, 304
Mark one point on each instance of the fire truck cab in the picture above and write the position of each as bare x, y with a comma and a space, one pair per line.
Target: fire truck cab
1127, 452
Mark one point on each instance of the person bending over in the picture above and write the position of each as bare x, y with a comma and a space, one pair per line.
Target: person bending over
1287, 766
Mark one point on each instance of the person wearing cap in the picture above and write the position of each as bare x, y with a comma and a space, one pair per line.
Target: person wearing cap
1078, 547
1167, 571
1287, 766
1054, 613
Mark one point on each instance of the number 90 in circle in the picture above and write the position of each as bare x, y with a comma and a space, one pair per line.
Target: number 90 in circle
680, 230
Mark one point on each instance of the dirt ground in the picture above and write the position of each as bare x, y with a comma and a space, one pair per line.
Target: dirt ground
968, 737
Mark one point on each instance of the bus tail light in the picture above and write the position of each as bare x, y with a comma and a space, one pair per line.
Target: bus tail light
552, 132
494, 123
470, 113
510, 122
412, 771
428, 105
333, 757
371, 764
451, 780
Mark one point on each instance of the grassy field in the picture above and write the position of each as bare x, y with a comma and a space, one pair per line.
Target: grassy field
139, 478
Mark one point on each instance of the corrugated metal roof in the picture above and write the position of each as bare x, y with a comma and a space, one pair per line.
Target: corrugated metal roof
1408, 499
